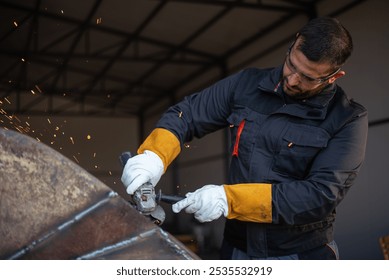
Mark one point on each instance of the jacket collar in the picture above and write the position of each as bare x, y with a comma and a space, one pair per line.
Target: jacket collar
318, 104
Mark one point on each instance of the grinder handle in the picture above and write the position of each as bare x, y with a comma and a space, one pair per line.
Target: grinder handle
170, 199
124, 157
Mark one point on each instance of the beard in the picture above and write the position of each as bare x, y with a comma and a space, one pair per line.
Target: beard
298, 92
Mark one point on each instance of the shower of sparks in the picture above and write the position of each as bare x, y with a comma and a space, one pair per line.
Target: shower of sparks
37, 87
51, 129
75, 158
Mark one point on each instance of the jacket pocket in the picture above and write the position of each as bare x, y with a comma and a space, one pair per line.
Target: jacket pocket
242, 124
299, 146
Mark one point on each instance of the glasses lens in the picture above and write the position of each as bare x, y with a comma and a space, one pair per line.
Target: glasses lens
304, 78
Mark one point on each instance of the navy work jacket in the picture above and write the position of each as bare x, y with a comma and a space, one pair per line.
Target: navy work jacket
309, 150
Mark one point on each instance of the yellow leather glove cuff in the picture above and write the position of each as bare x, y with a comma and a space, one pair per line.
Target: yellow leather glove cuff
164, 143
249, 202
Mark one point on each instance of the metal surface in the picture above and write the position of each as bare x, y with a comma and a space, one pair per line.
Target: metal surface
50, 208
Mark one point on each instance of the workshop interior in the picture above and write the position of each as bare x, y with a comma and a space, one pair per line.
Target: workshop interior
82, 84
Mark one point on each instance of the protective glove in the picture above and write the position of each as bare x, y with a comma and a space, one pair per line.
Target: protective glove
207, 203
140, 169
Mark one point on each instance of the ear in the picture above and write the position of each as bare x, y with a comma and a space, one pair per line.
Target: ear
336, 76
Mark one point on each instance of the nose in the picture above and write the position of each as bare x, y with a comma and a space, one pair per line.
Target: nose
293, 79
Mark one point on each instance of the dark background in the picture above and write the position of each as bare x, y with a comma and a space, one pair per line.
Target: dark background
90, 78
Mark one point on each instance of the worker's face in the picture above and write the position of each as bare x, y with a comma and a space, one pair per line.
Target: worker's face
303, 78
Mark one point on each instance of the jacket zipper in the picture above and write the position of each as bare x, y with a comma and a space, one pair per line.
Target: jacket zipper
236, 145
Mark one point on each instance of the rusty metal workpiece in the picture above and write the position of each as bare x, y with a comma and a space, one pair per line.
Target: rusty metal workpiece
51, 208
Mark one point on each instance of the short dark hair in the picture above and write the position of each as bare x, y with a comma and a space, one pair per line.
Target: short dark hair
325, 39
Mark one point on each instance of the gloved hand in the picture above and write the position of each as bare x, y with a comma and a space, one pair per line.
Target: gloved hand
140, 169
207, 203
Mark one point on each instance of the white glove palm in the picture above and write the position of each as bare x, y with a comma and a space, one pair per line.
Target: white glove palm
140, 169
207, 203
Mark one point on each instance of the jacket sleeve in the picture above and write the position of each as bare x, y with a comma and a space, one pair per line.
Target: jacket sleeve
195, 116
332, 174
202, 112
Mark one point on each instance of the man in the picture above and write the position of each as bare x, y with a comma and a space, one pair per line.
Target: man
298, 143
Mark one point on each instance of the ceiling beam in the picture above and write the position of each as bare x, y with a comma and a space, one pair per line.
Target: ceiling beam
184, 44
123, 47
80, 31
97, 28
291, 7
